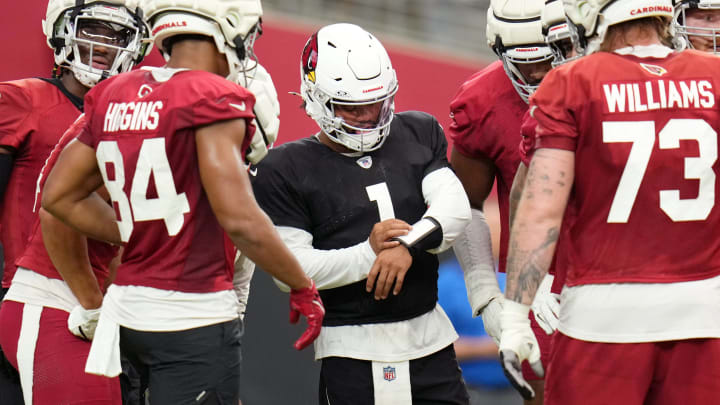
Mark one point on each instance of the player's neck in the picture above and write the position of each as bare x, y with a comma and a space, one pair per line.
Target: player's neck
198, 55
72, 84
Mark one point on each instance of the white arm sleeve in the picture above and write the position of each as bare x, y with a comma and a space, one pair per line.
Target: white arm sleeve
474, 252
447, 204
328, 268
244, 269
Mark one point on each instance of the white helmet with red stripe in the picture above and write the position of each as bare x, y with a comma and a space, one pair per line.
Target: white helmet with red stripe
514, 32
557, 32
589, 19
342, 64
233, 24
95, 39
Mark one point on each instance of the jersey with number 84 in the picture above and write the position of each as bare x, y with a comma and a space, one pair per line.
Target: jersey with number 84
142, 126
645, 136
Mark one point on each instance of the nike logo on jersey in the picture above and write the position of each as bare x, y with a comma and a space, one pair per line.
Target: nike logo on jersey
365, 162
252, 171
240, 107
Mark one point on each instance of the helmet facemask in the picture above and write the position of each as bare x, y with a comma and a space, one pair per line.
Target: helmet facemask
559, 39
99, 41
524, 55
684, 31
242, 60
514, 32
362, 138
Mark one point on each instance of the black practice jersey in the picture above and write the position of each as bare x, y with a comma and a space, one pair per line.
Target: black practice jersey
338, 199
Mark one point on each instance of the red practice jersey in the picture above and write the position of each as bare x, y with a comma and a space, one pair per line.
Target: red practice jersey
645, 136
143, 132
35, 257
486, 115
34, 113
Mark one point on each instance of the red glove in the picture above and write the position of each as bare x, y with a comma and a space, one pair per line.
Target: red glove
307, 301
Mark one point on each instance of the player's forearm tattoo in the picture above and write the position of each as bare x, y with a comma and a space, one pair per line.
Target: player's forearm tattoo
537, 224
532, 266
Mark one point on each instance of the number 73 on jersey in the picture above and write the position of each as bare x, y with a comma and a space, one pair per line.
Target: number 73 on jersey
642, 136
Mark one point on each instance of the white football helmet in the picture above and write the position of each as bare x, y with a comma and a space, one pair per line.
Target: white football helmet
72, 25
514, 32
557, 32
266, 110
590, 19
342, 64
683, 30
233, 24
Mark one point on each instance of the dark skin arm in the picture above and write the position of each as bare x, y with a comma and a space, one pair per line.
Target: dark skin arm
69, 254
227, 186
68, 251
69, 194
112, 269
477, 176
6, 164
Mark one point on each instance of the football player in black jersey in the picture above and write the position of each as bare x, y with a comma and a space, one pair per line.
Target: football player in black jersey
365, 205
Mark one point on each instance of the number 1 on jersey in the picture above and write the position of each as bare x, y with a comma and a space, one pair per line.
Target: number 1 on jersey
380, 193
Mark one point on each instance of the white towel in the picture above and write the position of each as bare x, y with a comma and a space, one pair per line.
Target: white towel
104, 357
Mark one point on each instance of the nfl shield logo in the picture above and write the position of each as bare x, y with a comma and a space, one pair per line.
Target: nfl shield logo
365, 162
389, 373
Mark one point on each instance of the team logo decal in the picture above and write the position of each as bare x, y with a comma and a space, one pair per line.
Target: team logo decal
144, 90
389, 373
310, 57
656, 70
365, 162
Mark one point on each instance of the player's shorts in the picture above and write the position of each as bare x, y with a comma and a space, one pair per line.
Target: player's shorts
10, 390
657, 373
193, 366
545, 342
433, 379
51, 360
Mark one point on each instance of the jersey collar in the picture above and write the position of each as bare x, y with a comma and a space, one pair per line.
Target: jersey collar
77, 101
646, 51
